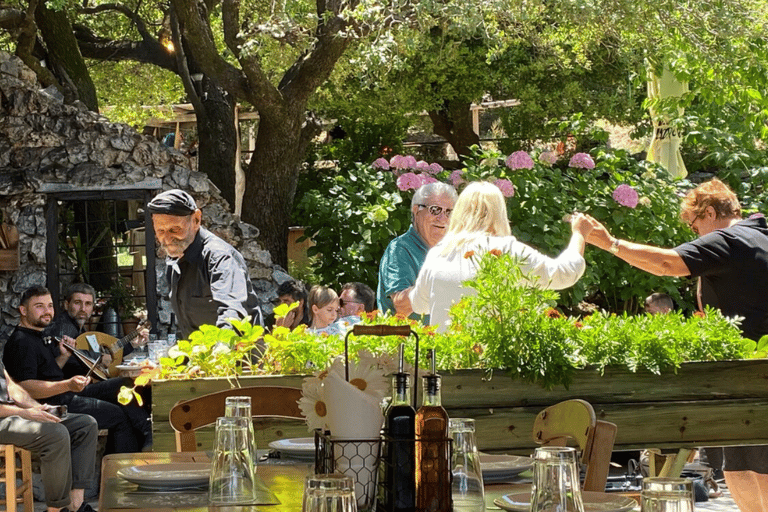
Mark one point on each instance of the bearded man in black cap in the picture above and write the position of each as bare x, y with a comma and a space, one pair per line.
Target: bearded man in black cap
208, 278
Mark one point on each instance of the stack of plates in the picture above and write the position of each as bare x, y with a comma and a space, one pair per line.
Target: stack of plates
301, 448
501, 468
167, 477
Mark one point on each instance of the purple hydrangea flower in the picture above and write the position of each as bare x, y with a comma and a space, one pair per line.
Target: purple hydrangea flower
506, 187
582, 161
548, 157
398, 162
626, 196
519, 160
381, 163
408, 181
456, 178
435, 168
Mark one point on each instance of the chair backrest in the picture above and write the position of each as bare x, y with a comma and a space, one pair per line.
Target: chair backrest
575, 420
189, 415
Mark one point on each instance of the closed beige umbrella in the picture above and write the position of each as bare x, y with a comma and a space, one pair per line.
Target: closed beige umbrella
665, 145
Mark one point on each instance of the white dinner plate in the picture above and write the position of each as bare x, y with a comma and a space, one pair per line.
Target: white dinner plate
593, 502
300, 447
503, 466
171, 475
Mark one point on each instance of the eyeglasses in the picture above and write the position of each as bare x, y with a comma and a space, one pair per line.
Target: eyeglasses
342, 302
435, 210
691, 224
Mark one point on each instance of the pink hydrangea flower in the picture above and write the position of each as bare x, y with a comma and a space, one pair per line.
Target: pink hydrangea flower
548, 157
519, 160
626, 196
381, 163
506, 187
408, 181
757, 215
422, 165
582, 161
410, 162
457, 177
398, 162
427, 178
435, 168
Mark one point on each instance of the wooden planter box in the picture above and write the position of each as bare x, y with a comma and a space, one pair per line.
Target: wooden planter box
704, 404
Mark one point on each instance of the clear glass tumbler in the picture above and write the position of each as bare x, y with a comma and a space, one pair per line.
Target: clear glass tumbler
667, 495
467, 488
232, 469
329, 493
556, 486
240, 407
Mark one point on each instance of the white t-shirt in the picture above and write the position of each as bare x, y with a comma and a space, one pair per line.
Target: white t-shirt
438, 286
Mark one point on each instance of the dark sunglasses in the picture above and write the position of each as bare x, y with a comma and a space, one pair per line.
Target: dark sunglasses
435, 210
342, 302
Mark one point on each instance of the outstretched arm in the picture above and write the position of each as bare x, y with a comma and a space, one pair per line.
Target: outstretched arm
654, 260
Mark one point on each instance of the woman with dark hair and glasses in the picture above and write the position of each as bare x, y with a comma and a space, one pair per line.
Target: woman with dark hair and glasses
479, 223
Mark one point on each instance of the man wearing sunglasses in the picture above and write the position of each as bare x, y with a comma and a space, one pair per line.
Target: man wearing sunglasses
431, 208
730, 258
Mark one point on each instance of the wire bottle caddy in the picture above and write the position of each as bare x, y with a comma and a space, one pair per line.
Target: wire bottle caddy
392, 473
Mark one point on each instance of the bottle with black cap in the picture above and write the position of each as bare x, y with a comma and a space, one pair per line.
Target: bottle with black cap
433, 470
400, 426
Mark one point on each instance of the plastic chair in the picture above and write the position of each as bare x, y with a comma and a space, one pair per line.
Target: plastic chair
575, 420
189, 415
15, 494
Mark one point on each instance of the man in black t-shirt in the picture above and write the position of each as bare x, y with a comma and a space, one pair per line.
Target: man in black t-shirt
730, 258
30, 361
71, 322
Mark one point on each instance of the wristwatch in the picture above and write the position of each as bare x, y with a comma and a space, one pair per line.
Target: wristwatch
614, 248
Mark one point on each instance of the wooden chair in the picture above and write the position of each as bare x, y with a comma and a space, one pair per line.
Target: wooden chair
22, 493
189, 415
575, 420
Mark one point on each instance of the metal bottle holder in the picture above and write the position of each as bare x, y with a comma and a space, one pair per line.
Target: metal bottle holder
331, 453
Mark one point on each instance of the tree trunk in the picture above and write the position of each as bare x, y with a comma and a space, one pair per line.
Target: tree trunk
64, 57
218, 139
454, 123
271, 178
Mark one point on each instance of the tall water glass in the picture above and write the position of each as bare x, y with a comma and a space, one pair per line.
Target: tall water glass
329, 493
240, 407
556, 486
467, 488
232, 469
667, 495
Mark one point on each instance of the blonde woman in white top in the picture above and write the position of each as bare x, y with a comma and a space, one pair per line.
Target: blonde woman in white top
479, 223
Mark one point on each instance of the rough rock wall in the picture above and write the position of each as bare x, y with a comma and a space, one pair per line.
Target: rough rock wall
47, 144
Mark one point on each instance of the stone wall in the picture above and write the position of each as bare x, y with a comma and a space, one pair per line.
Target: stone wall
47, 145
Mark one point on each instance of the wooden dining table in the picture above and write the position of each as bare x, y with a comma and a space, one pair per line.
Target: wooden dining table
285, 479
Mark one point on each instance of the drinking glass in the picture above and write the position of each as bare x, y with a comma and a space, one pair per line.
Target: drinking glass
156, 350
556, 486
329, 493
240, 407
467, 488
232, 469
667, 495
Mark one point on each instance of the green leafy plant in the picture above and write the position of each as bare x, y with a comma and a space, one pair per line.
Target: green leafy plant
521, 331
